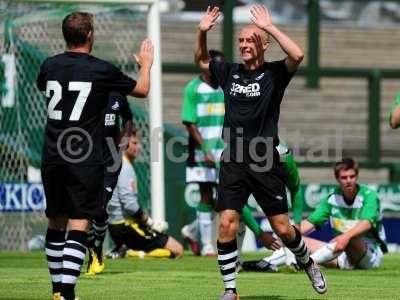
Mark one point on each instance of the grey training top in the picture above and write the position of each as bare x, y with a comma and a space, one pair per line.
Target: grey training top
124, 202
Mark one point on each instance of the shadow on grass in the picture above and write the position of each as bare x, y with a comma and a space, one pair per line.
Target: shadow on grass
273, 297
97, 277
262, 298
21, 298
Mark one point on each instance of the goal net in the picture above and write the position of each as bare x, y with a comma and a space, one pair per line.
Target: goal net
32, 32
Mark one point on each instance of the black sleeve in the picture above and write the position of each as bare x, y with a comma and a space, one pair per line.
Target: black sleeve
40, 81
282, 74
220, 70
125, 111
119, 82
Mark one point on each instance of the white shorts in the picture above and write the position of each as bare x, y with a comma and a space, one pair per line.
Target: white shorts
371, 260
201, 174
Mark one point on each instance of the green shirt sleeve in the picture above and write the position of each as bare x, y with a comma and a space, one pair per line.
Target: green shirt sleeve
297, 208
394, 105
293, 184
189, 107
250, 221
370, 210
321, 213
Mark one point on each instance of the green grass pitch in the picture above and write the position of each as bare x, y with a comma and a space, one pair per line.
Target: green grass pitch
25, 276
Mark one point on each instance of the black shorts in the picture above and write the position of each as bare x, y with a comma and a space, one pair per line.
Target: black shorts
137, 237
75, 191
238, 180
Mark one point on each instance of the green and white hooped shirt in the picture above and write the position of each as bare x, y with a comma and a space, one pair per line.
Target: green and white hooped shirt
343, 217
203, 106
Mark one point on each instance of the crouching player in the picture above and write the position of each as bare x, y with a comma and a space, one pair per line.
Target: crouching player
129, 226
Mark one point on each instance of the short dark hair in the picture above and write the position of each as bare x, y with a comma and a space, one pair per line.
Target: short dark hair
345, 164
134, 133
76, 27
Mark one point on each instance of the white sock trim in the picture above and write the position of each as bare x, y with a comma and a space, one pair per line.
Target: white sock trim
227, 256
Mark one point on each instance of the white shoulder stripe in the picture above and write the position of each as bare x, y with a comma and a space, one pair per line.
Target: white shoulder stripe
337, 200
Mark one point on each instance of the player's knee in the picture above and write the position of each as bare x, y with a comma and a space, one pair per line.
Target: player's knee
356, 244
285, 233
228, 227
174, 246
78, 224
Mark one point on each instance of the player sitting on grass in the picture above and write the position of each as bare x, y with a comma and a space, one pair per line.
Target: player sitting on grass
354, 214
129, 225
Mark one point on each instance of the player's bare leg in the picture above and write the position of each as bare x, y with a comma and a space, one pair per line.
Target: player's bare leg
324, 253
175, 247
356, 250
313, 245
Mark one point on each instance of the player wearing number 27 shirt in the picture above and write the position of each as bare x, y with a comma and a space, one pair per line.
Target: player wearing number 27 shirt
77, 85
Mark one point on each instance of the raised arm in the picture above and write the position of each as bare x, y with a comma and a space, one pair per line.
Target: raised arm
145, 61
201, 57
395, 118
262, 19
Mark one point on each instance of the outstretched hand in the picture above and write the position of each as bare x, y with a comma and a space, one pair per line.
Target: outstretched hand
258, 41
341, 242
260, 16
209, 19
268, 241
146, 54
209, 160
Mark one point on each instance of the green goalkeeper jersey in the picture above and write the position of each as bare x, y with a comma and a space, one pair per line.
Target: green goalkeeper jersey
204, 106
343, 217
